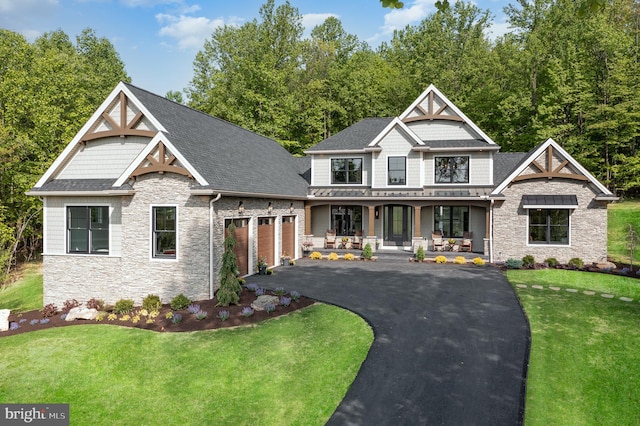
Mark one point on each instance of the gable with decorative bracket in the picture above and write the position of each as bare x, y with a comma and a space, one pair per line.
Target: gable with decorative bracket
550, 164
121, 119
160, 161
432, 108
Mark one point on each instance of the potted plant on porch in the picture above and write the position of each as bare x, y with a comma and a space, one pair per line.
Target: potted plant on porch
285, 259
306, 247
262, 265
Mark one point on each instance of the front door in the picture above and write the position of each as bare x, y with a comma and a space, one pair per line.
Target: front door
397, 225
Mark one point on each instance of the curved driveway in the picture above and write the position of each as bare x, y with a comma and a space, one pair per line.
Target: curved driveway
451, 342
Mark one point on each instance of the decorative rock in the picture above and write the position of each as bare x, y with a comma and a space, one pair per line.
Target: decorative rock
554, 288
262, 301
605, 265
537, 287
589, 293
4, 319
571, 290
81, 312
607, 296
521, 285
626, 299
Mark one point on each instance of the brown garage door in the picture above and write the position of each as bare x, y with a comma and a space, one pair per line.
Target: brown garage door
266, 238
241, 249
289, 235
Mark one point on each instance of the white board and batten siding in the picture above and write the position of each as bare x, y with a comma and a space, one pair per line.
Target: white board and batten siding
396, 144
442, 131
480, 166
322, 168
104, 158
55, 238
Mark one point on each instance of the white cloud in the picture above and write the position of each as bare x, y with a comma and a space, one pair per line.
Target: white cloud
498, 29
191, 31
38, 7
311, 20
400, 18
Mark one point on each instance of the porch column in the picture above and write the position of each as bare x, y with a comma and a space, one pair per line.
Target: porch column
486, 224
372, 216
416, 228
307, 219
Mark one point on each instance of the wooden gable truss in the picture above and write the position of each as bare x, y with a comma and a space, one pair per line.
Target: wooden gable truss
107, 126
550, 170
433, 111
160, 162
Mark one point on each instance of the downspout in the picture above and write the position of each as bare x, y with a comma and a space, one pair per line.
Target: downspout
211, 243
491, 231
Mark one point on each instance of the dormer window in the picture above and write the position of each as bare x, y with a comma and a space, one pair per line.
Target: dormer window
452, 169
346, 170
397, 171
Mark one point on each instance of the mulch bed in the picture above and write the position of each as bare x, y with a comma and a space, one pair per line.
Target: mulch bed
162, 324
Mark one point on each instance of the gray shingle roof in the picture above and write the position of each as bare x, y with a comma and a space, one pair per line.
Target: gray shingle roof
463, 143
504, 163
549, 200
84, 185
354, 137
229, 157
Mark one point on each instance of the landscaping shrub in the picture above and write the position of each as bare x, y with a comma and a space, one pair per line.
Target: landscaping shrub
551, 261
180, 302
576, 263
223, 315
333, 256
260, 291
123, 306
270, 307
269, 271
200, 315
420, 254
460, 260
68, 305
285, 301
49, 310
96, 304
247, 311
241, 281
280, 291
316, 255
367, 252
176, 318
152, 303
295, 295
528, 261
478, 261
512, 263
441, 259
349, 256
194, 308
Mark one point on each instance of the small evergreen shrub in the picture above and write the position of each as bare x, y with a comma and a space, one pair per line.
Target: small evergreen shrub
200, 315
420, 254
68, 305
180, 302
316, 255
441, 259
280, 291
512, 263
551, 261
460, 260
247, 311
295, 295
333, 256
96, 304
367, 252
478, 261
285, 301
49, 310
123, 306
152, 303
176, 319
528, 261
194, 308
270, 307
576, 263
349, 256
223, 315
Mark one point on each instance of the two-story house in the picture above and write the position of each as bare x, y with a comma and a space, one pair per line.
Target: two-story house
431, 170
141, 199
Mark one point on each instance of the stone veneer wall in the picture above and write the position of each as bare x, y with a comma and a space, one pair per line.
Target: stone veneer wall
588, 223
135, 274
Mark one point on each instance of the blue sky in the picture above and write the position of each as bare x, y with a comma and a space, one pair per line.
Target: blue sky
158, 39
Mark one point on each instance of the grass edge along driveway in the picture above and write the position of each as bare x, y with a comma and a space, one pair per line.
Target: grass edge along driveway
585, 349
291, 370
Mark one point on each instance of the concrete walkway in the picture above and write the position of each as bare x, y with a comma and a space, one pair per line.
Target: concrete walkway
451, 342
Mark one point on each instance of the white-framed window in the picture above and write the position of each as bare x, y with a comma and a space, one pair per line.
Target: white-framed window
452, 169
451, 221
346, 171
397, 170
164, 227
549, 226
88, 229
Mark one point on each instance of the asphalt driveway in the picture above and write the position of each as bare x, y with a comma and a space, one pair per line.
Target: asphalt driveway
451, 342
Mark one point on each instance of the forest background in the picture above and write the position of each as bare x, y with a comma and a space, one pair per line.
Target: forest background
560, 73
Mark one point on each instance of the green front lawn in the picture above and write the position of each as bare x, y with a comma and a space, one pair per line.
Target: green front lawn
26, 293
291, 370
585, 349
619, 216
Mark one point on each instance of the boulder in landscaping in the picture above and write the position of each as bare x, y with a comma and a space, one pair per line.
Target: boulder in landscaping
4, 319
262, 301
607, 266
81, 312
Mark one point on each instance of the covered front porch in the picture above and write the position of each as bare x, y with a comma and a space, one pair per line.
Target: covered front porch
400, 225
